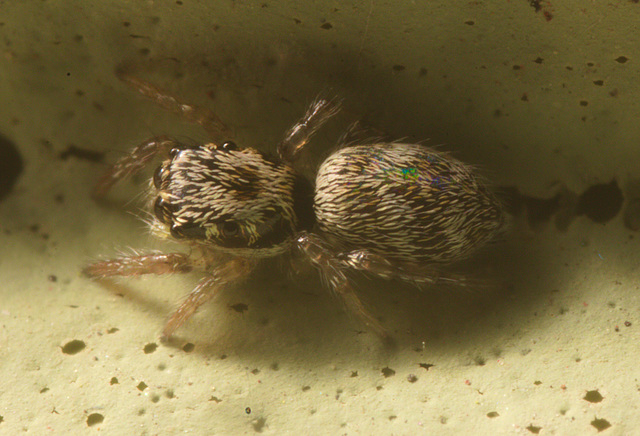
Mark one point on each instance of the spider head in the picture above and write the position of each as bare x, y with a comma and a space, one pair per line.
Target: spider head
234, 199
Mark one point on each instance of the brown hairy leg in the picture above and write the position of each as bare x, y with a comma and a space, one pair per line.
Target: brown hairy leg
332, 270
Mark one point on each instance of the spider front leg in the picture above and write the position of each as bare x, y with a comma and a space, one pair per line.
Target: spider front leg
130, 164
218, 276
229, 272
332, 270
298, 135
206, 118
131, 266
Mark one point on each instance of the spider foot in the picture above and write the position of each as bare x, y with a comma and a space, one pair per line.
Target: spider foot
299, 135
133, 162
206, 118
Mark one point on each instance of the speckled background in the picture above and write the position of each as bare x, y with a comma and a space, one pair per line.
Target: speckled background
542, 96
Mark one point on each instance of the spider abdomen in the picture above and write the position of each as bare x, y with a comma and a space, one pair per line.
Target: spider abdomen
406, 201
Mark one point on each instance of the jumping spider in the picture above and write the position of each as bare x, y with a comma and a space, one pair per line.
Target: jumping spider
393, 210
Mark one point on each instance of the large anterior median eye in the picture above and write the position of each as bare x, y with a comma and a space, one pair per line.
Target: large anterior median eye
162, 210
230, 228
160, 175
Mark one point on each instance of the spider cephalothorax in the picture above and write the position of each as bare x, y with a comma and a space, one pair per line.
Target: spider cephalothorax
239, 200
389, 209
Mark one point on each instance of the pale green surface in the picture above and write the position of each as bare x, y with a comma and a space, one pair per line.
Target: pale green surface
556, 326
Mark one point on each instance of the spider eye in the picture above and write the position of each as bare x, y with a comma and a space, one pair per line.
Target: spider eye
230, 228
229, 146
159, 175
174, 152
162, 210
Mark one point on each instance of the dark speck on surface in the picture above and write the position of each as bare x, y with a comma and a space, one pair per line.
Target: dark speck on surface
81, 153
601, 202
11, 166
239, 307
387, 372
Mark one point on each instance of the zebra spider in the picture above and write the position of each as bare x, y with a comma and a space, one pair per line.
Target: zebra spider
394, 210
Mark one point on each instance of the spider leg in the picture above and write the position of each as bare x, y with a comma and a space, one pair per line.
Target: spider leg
229, 272
366, 261
209, 121
133, 162
132, 266
297, 136
332, 271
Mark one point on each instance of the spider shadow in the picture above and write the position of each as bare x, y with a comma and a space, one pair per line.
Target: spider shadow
300, 319
284, 314
139, 298
455, 319
272, 318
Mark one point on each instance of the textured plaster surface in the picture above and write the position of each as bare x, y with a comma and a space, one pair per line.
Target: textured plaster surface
538, 95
